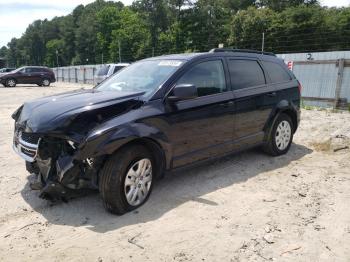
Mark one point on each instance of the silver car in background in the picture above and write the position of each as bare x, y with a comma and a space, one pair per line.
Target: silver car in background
107, 70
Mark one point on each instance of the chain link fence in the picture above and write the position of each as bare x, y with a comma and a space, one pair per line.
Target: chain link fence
84, 74
325, 76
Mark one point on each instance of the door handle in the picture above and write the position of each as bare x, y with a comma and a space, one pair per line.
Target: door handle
273, 94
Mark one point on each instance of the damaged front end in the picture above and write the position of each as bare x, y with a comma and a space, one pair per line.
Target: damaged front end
60, 175
51, 132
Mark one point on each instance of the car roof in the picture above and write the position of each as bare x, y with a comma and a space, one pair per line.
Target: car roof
119, 64
220, 53
35, 67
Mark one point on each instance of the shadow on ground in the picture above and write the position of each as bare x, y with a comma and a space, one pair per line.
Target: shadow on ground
177, 188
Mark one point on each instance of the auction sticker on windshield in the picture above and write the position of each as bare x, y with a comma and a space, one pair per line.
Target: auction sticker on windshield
175, 63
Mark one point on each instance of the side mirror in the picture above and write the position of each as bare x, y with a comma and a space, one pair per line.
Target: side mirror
183, 92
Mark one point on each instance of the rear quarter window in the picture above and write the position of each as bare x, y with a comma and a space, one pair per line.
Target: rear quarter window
276, 72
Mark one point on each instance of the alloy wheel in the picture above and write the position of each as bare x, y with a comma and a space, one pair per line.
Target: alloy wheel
138, 182
11, 83
46, 82
283, 135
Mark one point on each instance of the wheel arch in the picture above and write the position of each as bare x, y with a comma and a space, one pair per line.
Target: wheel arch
284, 107
11, 78
154, 148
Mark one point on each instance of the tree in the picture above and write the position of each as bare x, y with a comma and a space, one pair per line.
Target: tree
54, 50
131, 36
279, 5
156, 13
95, 32
108, 19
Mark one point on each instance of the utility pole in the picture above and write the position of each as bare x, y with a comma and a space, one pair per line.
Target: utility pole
57, 57
263, 43
120, 55
102, 58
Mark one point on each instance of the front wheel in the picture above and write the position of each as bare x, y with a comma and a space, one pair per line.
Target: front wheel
280, 137
11, 82
126, 179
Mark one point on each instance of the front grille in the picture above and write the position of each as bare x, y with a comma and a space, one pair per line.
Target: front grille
26, 144
29, 152
30, 138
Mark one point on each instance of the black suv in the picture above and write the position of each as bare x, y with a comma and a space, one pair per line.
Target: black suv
156, 115
42, 76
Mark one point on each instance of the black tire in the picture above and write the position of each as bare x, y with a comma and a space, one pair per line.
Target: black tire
45, 82
113, 174
10, 82
271, 146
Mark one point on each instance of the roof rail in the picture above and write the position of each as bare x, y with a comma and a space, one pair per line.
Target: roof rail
219, 50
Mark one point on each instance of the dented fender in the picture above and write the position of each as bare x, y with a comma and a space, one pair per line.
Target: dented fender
111, 141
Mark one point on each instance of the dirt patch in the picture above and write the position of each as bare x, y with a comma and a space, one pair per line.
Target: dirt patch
245, 207
333, 144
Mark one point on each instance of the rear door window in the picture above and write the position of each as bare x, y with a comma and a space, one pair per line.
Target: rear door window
245, 73
276, 72
36, 70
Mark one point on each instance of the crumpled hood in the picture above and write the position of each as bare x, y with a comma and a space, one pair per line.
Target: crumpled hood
59, 111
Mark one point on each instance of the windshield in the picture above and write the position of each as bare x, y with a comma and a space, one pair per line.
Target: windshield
143, 76
18, 69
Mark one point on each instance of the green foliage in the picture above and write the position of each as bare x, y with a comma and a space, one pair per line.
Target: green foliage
106, 31
131, 35
53, 46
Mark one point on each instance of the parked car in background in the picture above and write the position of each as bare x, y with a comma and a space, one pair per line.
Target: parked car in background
42, 76
157, 114
107, 70
6, 70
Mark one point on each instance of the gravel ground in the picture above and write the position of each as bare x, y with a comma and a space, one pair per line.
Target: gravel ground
246, 207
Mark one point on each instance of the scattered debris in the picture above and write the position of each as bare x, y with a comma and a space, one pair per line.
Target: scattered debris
269, 200
290, 250
268, 229
132, 241
269, 238
28, 225
302, 194
340, 148
318, 227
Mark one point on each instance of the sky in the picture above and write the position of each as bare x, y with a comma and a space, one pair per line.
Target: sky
16, 15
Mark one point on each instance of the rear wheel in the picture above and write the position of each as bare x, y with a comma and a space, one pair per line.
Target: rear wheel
11, 82
45, 82
280, 136
126, 179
